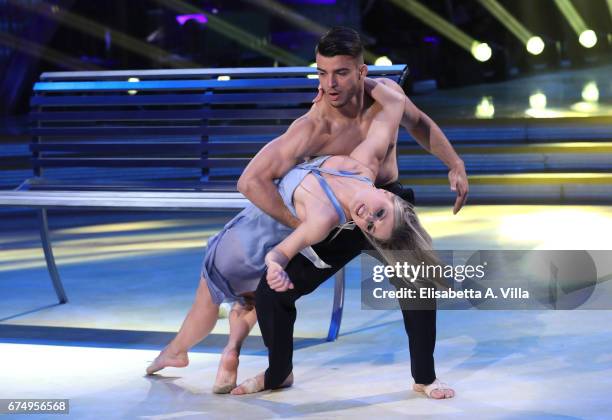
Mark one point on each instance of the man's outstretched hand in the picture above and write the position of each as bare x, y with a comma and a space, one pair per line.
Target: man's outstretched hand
459, 183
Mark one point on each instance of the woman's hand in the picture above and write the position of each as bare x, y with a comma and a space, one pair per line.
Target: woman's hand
277, 278
319, 95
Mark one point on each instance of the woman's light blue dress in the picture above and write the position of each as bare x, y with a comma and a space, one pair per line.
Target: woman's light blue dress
234, 259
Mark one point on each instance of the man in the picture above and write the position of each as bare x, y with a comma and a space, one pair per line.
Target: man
335, 125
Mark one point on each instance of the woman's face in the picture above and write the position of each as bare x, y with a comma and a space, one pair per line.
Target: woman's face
372, 209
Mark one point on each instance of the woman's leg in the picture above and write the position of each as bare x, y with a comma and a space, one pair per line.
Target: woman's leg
241, 320
198, 323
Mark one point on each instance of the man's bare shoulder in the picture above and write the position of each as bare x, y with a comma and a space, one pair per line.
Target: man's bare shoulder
304, 136
310, 123
390, 83
411, 113
317, 127
317, 117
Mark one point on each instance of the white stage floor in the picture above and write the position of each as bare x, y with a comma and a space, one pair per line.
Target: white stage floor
130, 280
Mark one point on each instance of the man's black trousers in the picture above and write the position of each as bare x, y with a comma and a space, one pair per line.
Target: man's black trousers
276, 311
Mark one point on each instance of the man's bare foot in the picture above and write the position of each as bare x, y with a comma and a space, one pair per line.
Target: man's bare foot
167, 359
256, 384
227, 372
437, 390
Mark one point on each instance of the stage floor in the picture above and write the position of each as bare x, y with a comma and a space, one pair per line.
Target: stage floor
130, 279
558, 94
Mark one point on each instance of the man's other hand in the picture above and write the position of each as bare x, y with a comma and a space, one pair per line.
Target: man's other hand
459, 183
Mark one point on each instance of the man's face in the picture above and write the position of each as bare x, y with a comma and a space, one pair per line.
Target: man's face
341, 78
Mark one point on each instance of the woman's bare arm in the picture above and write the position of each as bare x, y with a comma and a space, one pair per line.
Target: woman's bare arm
311, 231
383, 128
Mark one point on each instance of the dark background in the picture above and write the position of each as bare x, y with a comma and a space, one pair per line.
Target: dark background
386, 29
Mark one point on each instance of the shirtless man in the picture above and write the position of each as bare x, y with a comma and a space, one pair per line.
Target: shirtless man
335, 125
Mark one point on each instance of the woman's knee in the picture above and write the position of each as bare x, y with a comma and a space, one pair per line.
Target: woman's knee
203, 293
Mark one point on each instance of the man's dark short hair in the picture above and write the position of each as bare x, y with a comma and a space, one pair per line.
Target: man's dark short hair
340, 41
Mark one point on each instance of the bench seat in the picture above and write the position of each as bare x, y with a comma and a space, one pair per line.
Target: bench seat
158, 140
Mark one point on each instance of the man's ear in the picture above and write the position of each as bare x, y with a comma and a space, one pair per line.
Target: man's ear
363, 71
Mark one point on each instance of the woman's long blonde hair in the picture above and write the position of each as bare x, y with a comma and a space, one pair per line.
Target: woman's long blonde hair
409, 241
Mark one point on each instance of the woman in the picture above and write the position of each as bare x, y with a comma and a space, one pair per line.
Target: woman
323, 193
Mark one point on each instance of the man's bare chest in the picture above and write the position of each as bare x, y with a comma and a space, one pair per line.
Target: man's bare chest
341, 140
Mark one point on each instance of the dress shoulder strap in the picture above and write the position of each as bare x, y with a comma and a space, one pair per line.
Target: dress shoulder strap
315, 168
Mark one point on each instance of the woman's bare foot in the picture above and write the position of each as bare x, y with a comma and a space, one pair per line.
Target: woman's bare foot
437, 390
167, 359
227, 372
256, 384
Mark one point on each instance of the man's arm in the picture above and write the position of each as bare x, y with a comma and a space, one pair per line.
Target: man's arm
273, 161
429, 135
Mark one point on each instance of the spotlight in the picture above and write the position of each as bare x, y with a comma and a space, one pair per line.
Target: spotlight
198, 17
588, 38
223, 78
383, 61
485, 108
444, 27
133, 80
590, 92
537, 100
481, 51
313, 76
535, 45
